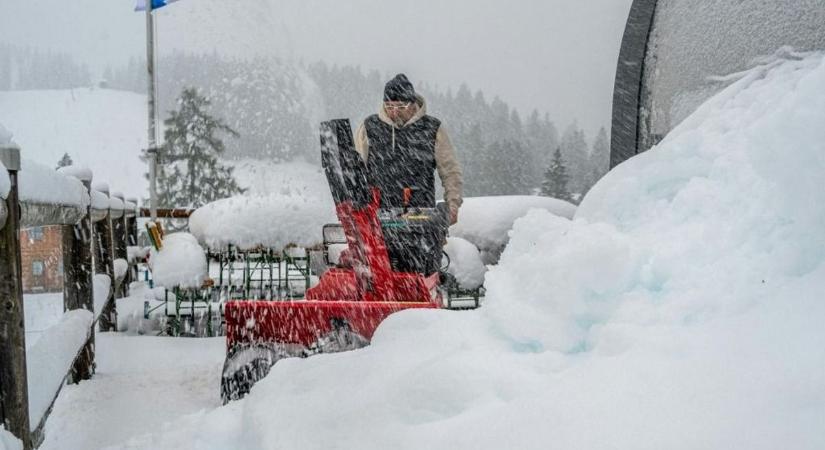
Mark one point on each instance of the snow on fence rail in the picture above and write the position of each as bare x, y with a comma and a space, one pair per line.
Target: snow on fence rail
91, 220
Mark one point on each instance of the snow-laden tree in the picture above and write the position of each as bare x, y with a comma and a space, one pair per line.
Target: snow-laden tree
556, 179
65, 161
599, 160
190, 173
575, 151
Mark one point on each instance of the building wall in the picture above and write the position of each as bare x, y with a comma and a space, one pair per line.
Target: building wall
42, 257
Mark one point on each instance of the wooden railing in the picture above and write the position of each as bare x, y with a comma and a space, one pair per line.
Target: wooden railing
93, 237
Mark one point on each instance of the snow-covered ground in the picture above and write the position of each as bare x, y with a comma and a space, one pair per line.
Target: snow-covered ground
142, 385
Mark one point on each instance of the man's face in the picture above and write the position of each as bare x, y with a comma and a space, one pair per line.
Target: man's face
400, 112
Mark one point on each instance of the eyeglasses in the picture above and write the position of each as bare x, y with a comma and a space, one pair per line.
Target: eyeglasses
397, 107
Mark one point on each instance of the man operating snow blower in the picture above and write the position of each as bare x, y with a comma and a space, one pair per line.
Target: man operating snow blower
403, 147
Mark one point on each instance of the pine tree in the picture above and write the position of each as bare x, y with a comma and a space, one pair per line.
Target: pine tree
66, 160
556, 178
189, 172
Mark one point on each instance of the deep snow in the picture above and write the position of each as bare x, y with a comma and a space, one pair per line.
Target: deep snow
680, 309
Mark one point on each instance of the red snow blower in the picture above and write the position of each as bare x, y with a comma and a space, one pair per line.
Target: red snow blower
391, 264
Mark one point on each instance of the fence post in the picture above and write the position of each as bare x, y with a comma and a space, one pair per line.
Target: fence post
14, 396
78, 284
132, 233
104, 264
119, 241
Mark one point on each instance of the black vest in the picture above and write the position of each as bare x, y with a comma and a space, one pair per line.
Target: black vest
411, 163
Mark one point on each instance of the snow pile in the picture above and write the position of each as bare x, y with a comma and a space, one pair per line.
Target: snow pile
41, 184
102, 286
465, 263
272, 221
49, 359
681, 309
121, 267
7, 440
486, 221
180, 262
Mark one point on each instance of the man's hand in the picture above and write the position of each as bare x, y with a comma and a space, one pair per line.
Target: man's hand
453, 216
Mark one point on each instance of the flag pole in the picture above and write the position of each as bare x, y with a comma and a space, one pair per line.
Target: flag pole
152, 151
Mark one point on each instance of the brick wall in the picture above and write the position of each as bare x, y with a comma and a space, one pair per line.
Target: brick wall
42, 252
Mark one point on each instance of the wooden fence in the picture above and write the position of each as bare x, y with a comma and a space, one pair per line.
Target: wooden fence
93, 238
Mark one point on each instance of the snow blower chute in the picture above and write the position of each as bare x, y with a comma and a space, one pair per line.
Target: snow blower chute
391, 264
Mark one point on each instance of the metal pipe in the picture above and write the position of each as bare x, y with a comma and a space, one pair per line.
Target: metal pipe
150, 72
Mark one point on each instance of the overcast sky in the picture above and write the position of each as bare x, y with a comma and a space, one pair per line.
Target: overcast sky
557, 56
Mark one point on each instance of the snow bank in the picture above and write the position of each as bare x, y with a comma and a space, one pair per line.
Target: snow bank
39, 183
486, 221
49, 359
465, 263
181, 262
7, 440
272, 221
681, 309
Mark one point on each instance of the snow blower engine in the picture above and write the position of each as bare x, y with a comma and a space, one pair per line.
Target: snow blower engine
391, 263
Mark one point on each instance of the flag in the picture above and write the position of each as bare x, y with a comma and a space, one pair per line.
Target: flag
141, 4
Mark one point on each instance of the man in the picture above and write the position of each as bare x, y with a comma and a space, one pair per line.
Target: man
403, 147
